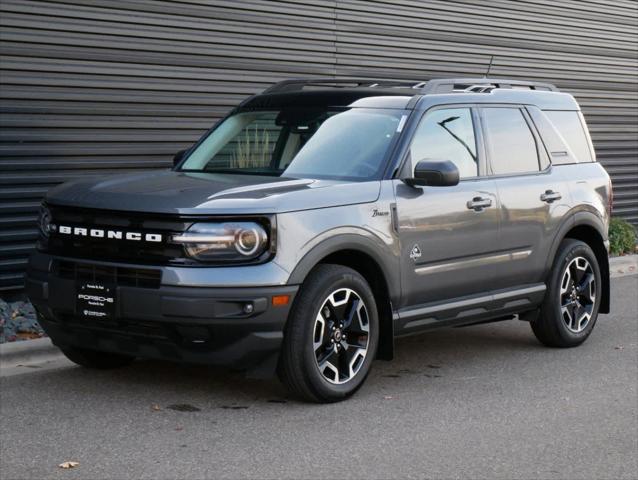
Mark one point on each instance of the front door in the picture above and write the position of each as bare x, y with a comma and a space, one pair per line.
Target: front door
448, 235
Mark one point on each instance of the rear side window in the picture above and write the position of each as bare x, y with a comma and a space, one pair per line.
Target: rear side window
571, 128
510, 142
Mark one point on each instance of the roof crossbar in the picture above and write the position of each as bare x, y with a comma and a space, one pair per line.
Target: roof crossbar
439, 85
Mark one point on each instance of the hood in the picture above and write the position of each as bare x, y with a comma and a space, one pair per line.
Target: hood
210, 193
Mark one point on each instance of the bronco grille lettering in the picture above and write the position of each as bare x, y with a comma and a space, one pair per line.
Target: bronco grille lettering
109, 234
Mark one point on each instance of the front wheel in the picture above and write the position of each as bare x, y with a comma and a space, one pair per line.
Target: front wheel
571, 304
331, 336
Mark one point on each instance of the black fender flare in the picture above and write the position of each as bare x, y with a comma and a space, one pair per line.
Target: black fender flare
369, 245
381, 253
588, 219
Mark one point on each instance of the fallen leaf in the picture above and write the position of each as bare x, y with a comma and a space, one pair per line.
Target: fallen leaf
156, 407
618, 347
178, 429
67, 465
387, 397
28, 335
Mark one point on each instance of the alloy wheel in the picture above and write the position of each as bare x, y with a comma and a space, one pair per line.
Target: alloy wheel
341, 336
578, 294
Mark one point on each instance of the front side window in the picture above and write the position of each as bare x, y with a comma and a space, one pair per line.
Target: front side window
313, 143
510, 142
447, 134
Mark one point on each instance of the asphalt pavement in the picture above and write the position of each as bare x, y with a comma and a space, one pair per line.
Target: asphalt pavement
478, 402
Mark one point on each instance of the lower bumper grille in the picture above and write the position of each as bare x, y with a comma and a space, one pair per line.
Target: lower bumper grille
130, 277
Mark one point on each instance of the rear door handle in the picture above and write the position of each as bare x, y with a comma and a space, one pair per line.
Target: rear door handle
479, 203
550, 196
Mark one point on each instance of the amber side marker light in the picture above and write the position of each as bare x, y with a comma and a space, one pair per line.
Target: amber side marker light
280, 300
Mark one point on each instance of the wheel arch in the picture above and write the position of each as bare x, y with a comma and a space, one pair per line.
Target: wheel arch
362, 255
590, 229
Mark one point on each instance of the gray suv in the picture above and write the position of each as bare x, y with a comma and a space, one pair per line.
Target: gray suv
321, 219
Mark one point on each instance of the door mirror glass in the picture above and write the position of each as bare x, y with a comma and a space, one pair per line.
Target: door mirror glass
434, 173
178, 157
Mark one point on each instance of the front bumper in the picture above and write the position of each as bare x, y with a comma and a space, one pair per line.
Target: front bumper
190, 324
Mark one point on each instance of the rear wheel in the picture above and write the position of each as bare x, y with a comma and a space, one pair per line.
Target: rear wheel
331, 336
571, 304
96, 360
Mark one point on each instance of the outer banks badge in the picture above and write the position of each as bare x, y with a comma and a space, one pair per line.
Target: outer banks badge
415, 253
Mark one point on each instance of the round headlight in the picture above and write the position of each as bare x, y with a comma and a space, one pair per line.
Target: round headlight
248, 241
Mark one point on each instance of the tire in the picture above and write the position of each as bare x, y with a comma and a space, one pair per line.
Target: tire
570, 308
320, 363
96, 360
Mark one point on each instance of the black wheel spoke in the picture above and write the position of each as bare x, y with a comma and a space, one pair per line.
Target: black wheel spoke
576, 273
329, 364
585, 288
351, 313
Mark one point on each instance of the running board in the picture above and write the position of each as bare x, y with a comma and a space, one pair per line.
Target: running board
468, 310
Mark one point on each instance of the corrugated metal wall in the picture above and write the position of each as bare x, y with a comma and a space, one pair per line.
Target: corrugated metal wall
94, 87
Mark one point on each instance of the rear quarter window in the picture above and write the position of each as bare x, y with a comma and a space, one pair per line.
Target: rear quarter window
571, 127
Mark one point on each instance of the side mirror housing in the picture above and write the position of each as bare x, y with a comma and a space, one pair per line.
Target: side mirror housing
434, 173
178, 157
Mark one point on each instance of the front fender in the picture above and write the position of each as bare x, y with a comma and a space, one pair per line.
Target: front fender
367, 244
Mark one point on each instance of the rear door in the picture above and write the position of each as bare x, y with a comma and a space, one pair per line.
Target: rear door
533, 196
448, 235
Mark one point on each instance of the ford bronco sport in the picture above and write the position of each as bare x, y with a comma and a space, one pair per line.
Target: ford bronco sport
321, 219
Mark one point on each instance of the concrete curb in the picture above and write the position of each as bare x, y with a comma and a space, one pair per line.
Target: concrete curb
622, 266
28, 352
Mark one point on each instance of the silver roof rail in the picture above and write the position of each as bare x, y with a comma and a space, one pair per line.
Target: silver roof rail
439, 85
482, 85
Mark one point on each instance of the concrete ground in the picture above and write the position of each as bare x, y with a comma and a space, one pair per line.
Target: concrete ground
477, 402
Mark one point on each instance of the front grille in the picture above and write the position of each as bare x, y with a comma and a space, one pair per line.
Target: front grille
117, 250
130, 277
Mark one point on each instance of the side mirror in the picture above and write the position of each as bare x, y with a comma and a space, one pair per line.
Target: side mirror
178, 157
434, 173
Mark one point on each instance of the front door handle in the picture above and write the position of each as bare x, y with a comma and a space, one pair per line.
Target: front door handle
479, 203
550, 196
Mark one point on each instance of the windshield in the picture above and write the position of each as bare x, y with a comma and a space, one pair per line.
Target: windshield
303, 142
